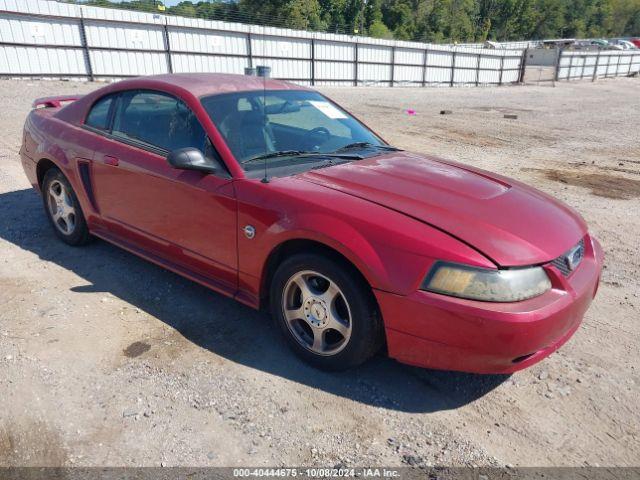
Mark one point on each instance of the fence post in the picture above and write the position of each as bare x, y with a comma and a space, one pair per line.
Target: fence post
523, 65
85, 47
501, 70
478, 70
424, 68
559, 53
584, 60
630, 63
618, 65
595, 69
355, 65
393, 63
453, 67
249, 50
313, 61
570, 67
167, 47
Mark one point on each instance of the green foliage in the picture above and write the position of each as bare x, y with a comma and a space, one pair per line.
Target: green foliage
425, 20
377, 29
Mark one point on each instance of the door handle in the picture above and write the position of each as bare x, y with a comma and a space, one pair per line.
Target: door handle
109, 160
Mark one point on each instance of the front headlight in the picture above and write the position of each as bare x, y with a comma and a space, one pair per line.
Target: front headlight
484, 284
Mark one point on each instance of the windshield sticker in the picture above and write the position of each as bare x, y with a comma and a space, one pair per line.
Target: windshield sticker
328, 109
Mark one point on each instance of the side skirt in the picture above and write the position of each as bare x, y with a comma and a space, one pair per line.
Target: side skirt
207, 282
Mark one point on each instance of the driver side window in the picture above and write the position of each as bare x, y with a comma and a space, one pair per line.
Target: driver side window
154, 119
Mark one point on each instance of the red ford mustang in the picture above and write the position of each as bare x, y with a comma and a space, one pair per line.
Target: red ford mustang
272, 194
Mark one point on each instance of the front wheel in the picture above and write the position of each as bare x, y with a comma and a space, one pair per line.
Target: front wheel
326, 312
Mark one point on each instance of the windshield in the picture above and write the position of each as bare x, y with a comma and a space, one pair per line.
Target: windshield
282, 125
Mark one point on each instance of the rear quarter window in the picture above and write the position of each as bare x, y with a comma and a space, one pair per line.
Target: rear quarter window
98, 116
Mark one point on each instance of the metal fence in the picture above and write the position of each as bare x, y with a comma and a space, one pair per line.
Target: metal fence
510, 45
40, 38
577, 65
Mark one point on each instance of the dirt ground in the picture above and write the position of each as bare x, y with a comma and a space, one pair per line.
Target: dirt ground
106, 359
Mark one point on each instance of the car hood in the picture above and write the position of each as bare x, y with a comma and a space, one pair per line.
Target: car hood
510, 223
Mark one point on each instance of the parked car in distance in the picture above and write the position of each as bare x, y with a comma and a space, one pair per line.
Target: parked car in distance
599, 42
590, 45
635, 41
623, 44
273, 194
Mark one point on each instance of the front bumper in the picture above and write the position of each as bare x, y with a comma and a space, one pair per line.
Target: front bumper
441, 332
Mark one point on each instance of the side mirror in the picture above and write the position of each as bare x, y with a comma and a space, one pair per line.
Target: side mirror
191, 159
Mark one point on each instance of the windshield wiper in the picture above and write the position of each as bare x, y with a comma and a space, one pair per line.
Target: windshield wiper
281, 153
328, 163
302, 154
355, 145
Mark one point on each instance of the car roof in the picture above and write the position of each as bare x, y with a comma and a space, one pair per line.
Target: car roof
203, 84
196, 84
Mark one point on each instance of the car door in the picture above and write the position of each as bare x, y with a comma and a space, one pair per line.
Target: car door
186, 218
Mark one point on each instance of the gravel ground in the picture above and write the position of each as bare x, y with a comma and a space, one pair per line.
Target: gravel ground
108, 360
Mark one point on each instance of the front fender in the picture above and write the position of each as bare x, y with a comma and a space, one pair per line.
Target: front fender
392, 251
336, 234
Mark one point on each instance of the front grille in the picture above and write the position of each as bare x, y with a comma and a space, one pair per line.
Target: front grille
562, 263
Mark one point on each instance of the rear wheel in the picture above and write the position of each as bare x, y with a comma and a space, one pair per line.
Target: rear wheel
326, 312
63, 209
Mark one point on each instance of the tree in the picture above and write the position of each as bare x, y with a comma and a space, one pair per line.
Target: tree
305, 15
218, 11
184, 9
377, 29
425, 20
300, 14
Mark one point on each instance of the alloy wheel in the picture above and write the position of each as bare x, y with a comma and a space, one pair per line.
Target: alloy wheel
317, 313
61, 208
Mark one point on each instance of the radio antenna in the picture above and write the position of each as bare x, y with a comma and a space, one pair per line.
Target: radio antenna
264, 71
265, 179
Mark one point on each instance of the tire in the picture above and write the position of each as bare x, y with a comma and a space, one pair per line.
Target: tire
334, 296
63, 209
